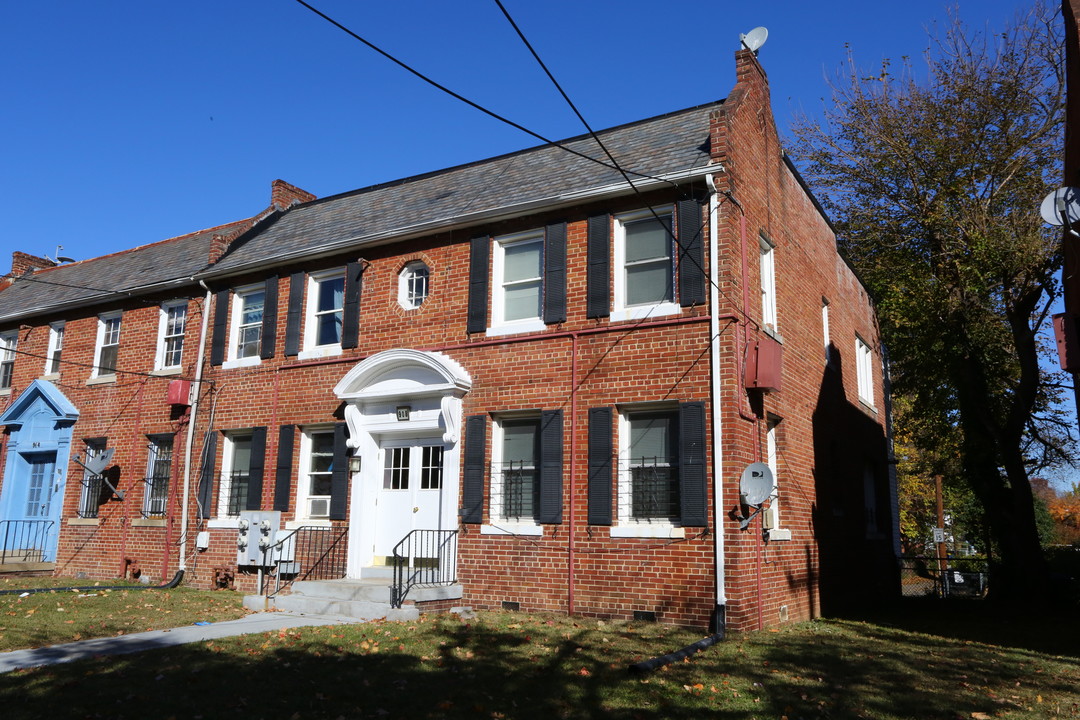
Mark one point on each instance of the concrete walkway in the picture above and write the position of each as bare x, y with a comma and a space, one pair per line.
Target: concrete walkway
137, 642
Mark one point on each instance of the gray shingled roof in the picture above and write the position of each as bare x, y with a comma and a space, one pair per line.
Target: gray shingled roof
658, 146
109, 278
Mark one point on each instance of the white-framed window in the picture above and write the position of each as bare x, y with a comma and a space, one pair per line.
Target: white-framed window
870, 503
235, 474
159, 453
773, 519
172, 322
864, 371
245, 334
325, 312
108, 344
515, 471
644, 275
768, 285
56, 347
649, 467
8, 342
414, 283
90, 496
825, 331
517, 283
316, 472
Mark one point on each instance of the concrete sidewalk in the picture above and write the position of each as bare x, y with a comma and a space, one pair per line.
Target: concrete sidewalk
137, 642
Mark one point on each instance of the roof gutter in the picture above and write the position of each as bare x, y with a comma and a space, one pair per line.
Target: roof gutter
117, 295
505, 212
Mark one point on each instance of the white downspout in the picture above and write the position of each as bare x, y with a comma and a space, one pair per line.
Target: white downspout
191, 429
714, 368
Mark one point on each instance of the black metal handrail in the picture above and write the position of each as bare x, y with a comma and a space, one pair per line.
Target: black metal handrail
423, 558
952, 576
24, 540
309, 552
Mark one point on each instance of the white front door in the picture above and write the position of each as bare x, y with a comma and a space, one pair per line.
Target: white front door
411, 494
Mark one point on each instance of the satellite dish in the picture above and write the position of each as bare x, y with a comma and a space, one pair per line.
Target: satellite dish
756, 484
754, 39
96, 465
1061, 207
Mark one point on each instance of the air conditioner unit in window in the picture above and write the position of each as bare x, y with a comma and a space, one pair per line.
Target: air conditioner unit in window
318, 507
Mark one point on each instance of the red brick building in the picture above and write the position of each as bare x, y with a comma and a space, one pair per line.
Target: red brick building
557, 374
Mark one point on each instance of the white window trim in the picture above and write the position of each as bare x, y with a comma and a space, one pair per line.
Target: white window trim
772, 513
626, 526
499, 525
303, 470
99, 345
221, 507
620, 310
404, 279
499, 326
56, 346
163, 328
235, 314
768, 285
310, 350
9, 341
864, 371
154, 447
825, 331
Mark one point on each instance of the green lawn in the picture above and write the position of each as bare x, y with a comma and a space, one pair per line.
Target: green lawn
516, 665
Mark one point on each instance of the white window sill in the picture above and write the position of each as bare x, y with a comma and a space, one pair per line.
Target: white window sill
83, 521
867, 405
532, 325
779, 535
101, 380
773, 333
5, 392
162, 372
642, 312
48, 376
512, 529
317, 353
313, 522
652, 530
148, 522
241, 362
226, 523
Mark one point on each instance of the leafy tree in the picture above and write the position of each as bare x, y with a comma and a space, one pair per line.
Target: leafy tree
934, 179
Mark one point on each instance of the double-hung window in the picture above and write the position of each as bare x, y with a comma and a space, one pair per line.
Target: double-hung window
644, 275
515, 471
247, 319
650, 455
864, 371
236, 474
158, 472
56, 347
8, 341
91, 496
517, 282
171, 325
317, 469
325, 313
108, 344
768, 285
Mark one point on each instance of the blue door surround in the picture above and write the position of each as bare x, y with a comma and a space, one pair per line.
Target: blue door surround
40, 423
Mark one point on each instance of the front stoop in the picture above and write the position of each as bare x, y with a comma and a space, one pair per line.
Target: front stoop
366, 599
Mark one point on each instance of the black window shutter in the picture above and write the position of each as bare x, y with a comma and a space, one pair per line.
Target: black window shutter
691, 252
269, 322
206, 477
295, 314
692, 494
257, 469
598, 275
555, 273
283, 470
221, 327
600, 467
472, 481
479, 255
551, 466
339, 477
350, 320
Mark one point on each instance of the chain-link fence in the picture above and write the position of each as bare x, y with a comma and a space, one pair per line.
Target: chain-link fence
949, 577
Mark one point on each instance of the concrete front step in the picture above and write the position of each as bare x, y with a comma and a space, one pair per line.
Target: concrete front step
366, 599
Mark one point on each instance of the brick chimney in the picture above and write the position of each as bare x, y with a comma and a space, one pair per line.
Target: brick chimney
23, 263
283, 195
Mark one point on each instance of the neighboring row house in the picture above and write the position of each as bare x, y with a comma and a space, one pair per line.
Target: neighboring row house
554, 376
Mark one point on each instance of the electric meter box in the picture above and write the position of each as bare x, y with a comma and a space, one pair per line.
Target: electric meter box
256, 535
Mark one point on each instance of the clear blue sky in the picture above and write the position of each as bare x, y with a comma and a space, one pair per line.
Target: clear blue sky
125, 122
